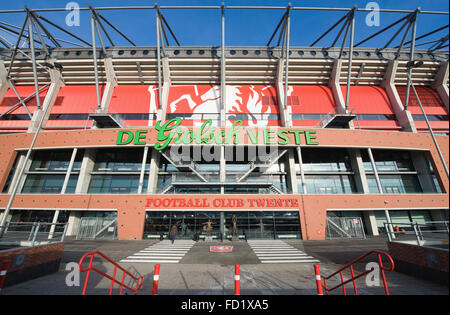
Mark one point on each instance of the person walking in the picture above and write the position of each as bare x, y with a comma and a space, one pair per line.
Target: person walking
173, 233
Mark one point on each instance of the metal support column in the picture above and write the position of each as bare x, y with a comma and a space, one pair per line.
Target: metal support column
158, 54
94, 55
222, 71
411, 57
141, 177
350, 59
222, 166
33, 56
429, 127
302, 172
286, 56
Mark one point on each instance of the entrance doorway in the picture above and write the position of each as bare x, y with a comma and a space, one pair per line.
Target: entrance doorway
249, 224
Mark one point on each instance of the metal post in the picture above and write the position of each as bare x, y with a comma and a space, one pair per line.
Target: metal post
33, 56
388, 231
411, 57
36, 231
428, 124
158, 54
286, 67
53, 225
32, 231
69, 170
142, 174
420, 231
416, 232
222, 69
222, 99
350, 59
94, 55
64, 232
375, 171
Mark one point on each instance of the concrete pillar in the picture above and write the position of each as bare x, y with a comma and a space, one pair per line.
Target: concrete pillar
360, 174
441, 83
87, 166
50, 97
286, 119
166, 87
161, 115
111, 83
363, 187
73, 223
4, 84
335, 86
403, 116
222, 169
370, 222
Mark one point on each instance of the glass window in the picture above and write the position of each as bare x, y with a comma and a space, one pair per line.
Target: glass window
392, 160
46, 184
326, 160
330, 184
55, 160
119, 160
72, 184
114, 184
32, 216
400, 184
373, 185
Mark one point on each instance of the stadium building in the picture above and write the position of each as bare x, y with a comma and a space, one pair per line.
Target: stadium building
296, 142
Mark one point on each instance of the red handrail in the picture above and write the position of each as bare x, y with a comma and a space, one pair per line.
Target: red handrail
353, 278
139, 280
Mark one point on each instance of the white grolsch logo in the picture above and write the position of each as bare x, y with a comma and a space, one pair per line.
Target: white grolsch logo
373, 18
73, 17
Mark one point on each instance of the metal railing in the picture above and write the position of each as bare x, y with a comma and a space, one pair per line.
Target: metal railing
32, 233
95, 227
138, 279
323, 280
344, 227
431, 232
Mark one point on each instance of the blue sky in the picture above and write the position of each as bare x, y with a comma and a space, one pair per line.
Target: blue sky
243, 27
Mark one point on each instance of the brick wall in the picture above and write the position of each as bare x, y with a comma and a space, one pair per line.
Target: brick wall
422, 256
31, 262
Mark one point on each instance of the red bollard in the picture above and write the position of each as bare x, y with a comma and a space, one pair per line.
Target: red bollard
237, 280
318, 279
155, 280
3, 269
